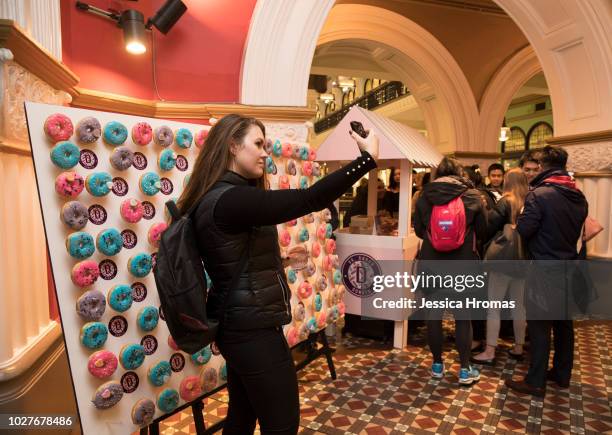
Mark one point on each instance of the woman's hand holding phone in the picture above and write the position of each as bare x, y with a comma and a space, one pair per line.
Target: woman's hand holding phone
368, 143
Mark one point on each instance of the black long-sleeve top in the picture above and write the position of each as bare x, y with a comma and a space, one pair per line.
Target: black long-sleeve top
244, 206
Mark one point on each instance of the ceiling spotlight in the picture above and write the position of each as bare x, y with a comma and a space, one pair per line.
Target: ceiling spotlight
167, 16
132, 23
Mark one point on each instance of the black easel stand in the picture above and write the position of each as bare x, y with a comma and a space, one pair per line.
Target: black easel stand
197, 406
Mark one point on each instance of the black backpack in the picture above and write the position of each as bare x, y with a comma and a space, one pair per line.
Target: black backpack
181, 284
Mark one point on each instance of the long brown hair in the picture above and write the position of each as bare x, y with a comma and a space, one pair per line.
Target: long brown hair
515, 190
215, 157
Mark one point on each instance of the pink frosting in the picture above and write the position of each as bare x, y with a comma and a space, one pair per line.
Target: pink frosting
305, 290
315, 249
131, 210
328, 262
307, 168
190, 388
312, 155
330, 246
322, 231
291, 223
200, 137
58, 127
85, 273
102, 364
287, 150
283, 182
284, 238
155, 233
292, 337
142, 133
69, 184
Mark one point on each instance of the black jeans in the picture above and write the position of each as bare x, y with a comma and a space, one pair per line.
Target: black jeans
563, 360
261, 381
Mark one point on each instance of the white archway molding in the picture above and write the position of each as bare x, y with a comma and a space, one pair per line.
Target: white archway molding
573, 42
499, 93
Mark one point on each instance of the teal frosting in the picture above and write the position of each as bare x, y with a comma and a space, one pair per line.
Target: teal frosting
337, 277
93, 335
303, 182
150, 183
168, 400
132, 356
99, 183
312, 324
270, 165
202, 356
223, 372
140, 265
304, 236
120, 298
80, 245
291, 276
304, 152
109, 242
148, 318
328, 231
167, 159
277, 148
160, 373
318, 302
183, 138
115, 133
65, 155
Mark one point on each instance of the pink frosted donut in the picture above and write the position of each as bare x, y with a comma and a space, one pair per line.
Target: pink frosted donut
315, 249
102, 364
330, 246
307, 168
287, 150
304, 290
322, 231
312, 155
283, 182
142, 133
322, 320
328, 262
131, 210
69, 184
172, 344
341, 308
292, 337
58, 127
284, 238
291, 223
85, 273
200, 138
155, 233
190, 388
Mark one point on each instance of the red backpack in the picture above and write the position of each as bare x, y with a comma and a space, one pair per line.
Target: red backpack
447, 226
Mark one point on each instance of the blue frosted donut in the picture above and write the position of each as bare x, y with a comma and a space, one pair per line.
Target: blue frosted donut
304, 151
183, 138
168, 400
150, 183
202, 356
65, 155
223, 372
148, 318
167, 159
115, 133
277, 148
304, 235
291, 276
80, 245
337, 277
109, 242
120, 297
159, 373
328, 231
270, 166
312, 324
140, 265
93, 335
132, 356
99, 183
318, 302
303, 182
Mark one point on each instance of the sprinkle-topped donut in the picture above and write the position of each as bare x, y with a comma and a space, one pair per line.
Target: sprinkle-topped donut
132, 356
283, 182
303, 235
168, 400
291, 276
330, 246
163, 136
131, 210
150, 183
290, 167
115, 133
270, 166
292, 336
304, 290
208, 378
99, 183
304, 152
190, 388
85, 273
307, 168
109, 242
299, 312
143, 412
88, 130
80, 245
107, 395
142, 133
93, 335
291, 223
309, 270
312, 325
75, 215
200, 138
167, 160
337, 277
321, 283
312, 155
159, 373
90, 306
284, 238
102, 364
322, 320
121, 158
148, 318
183, 138
58, 127
295, 151
277, 148
315, 249
140, 265
202, 356
120, 297
69, 184
155, 233
318, 302
65, 155
268, 146
303, 182
287, 150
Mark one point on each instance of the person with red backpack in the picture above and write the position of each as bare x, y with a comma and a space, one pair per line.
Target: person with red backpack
450, 220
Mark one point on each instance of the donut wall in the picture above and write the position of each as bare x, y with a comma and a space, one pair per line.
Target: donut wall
103, 179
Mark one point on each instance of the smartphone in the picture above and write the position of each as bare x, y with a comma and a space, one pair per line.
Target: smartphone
357, 127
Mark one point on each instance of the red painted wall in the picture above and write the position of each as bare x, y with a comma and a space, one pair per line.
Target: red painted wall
197, 61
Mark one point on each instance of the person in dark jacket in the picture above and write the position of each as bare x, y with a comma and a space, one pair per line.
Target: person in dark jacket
496, 180
359, 206
448, 185
235, 214
391, 198
550, 224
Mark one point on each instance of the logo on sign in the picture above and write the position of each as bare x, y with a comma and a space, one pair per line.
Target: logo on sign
149, 210
120, 186
181, 163
129, 239
139, 292
166, 186
358, 272
88, 159
129, 382
97, 214
149, 343
108, 269
140, 161
177, 362
118, 326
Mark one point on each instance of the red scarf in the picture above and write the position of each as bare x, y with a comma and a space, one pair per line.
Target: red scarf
563, 180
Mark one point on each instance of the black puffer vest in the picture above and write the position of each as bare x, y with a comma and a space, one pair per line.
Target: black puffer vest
261, 297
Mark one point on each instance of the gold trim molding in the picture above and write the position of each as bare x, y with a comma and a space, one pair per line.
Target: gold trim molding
594, 174
575, 139
474, 155
9, 147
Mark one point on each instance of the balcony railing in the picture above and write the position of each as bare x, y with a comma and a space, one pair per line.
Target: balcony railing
376, 97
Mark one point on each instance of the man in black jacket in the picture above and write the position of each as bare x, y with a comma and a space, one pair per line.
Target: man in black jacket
550, 224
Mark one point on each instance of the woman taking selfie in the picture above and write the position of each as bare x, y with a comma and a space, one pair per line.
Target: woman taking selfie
235, 214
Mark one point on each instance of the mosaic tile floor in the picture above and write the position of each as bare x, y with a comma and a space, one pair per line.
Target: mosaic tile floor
380, 390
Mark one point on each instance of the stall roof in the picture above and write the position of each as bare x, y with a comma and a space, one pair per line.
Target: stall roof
397, 141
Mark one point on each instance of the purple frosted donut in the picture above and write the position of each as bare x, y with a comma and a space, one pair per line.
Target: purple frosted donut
163, 136
75, 215
108, 395
88, 130
121, 158
91, 305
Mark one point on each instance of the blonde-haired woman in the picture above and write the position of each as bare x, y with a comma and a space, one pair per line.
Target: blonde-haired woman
506, 211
